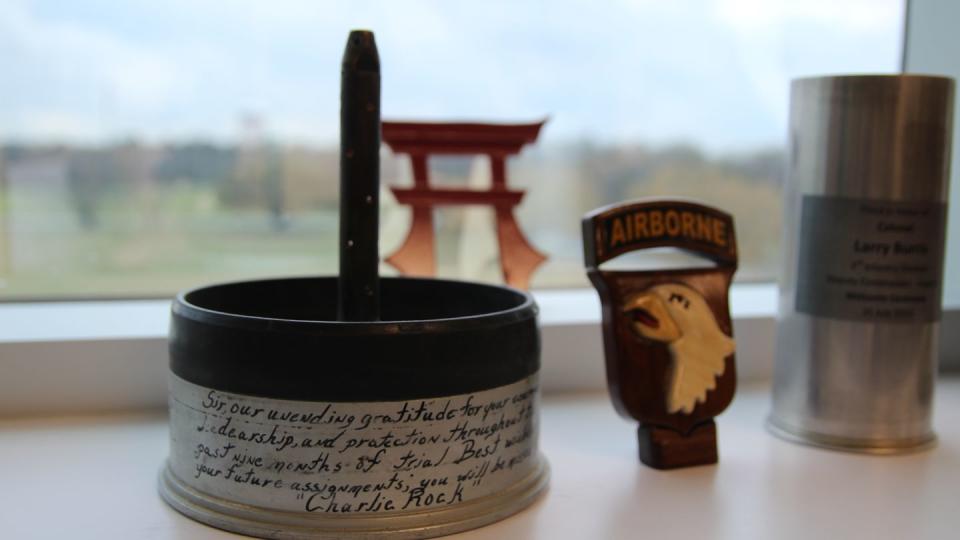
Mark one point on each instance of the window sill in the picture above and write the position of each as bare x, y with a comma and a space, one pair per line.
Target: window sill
83, 357
96, 476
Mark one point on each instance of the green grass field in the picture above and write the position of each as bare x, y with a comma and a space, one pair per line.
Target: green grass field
164, 237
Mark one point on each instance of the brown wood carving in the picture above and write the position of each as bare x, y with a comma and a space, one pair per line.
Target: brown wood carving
668, 336
518, 258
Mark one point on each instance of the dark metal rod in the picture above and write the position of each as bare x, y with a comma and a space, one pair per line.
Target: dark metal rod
359, 284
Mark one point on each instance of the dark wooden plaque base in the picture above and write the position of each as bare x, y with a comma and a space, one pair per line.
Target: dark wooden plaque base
667, 333
663, 448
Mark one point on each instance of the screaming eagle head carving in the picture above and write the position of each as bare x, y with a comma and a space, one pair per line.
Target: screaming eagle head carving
680, 317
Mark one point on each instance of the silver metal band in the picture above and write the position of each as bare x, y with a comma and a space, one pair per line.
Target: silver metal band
295, 469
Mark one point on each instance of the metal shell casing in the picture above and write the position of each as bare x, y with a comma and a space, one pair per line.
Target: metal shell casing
286, 423
860, 284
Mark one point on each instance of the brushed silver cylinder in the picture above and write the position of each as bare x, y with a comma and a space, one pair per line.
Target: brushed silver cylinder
849, 374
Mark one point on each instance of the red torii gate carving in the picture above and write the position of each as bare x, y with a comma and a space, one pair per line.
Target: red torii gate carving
518, 259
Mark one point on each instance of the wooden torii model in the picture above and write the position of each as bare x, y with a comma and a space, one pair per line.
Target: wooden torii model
518, 259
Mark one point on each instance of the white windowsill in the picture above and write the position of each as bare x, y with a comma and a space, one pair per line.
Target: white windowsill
83, 357
149, 319
95, 477
83, 321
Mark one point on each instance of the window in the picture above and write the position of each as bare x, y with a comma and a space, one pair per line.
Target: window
931, 49
147, 147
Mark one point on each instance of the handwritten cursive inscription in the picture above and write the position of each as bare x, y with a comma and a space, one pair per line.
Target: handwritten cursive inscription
353, 457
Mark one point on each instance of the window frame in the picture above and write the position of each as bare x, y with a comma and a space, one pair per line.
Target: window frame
88, 357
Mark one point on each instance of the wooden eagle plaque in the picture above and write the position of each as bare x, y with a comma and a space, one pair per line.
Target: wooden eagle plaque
667, 333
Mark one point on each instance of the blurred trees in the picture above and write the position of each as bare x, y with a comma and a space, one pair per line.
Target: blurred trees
746, 185
171, 193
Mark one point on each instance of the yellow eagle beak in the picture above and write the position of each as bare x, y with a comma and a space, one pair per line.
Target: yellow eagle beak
649, 317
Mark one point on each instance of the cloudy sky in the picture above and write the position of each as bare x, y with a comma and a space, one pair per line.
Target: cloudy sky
709, 72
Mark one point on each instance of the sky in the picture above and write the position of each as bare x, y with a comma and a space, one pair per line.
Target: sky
713, 73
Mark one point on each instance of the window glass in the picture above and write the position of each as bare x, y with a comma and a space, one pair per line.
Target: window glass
931, 44
146, 147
